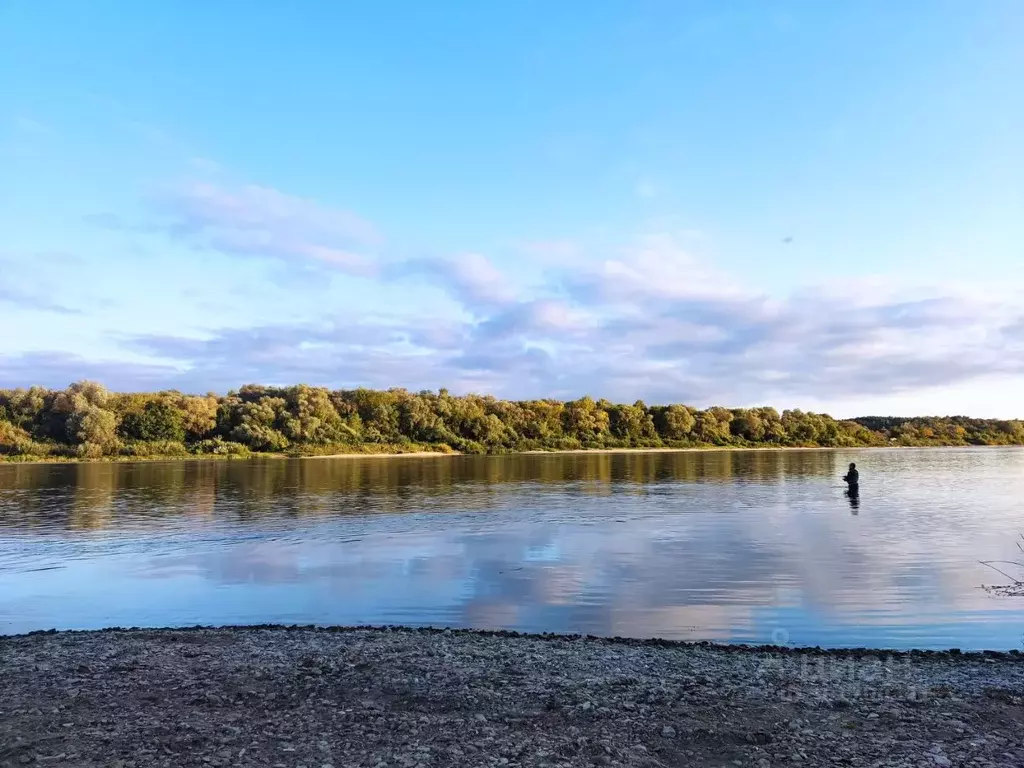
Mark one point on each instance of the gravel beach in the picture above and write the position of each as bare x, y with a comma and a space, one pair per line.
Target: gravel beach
322, 698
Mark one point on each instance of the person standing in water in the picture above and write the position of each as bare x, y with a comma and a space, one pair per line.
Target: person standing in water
852, 479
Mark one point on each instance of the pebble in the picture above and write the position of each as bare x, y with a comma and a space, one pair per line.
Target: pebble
407, 698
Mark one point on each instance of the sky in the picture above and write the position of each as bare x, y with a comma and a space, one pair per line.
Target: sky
793, 203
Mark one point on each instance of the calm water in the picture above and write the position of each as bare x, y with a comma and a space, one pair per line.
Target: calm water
739, 546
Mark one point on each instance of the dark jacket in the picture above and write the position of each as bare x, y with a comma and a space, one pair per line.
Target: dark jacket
852, 477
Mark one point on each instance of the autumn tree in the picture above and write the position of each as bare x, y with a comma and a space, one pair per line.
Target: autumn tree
25, 408
543, 420
256, 421
674, 422
86, 419
198, 415
801, 427
583, 420
747, 425
713, 426
631, 422
310, 417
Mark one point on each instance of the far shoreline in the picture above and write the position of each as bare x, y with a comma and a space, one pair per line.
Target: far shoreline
17, 461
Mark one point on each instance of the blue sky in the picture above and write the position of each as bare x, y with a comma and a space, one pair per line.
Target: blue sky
795, 203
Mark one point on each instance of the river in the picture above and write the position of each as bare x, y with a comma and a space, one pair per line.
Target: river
731, 546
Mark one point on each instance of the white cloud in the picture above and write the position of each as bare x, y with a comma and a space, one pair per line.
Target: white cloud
653, 324
655, 266
263, 220
470, 279
257, 221
650, 320
474, 277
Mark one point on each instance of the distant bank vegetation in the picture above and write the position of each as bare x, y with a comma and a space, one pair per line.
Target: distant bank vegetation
87, 421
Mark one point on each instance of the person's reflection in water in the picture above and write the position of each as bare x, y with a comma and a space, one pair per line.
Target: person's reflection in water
853, 494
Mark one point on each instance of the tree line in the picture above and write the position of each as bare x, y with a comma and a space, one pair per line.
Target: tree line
85, 420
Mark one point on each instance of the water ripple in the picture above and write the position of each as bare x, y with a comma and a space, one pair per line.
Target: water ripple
729, 546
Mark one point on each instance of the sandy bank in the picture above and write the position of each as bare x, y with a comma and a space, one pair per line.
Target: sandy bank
696, 449
303, 697
409, 455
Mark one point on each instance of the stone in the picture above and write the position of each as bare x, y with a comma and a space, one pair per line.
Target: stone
389, 697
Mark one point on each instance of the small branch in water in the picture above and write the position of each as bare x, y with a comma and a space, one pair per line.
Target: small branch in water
1015, 587
989, 564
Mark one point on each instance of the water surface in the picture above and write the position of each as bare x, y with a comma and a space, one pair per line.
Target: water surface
744, 546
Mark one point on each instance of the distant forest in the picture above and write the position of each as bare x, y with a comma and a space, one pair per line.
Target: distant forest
87, 421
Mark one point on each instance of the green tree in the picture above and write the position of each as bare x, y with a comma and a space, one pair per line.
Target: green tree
378, 413
198, 415
158, 420
95, 430
543, 420
419, 419
713, 426
747, 425
800, 427
631, 422
257, 422
311, 417
583, 420
86, 419
674, 422
25, 408
774, 431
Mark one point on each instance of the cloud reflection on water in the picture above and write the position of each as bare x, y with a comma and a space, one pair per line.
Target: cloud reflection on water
716, 546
